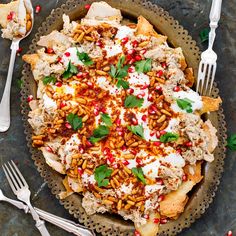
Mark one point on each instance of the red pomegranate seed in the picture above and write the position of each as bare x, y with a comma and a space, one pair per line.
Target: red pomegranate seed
11, 15
30, 98
158, 135
143, 51
131, 70
140, 95
145, 86
158, 88
124, 40
161, 198
106, 150
68, 126
62, 104
134, 121
163, 221
189, 144
159, 73
59, 59
99, 43
19, 50
144, 118
49, 51
110, 159
132, 61
80, 171
49, 149
179, 151
37, 9
67, 54
152, 133
135, 43
81, 150
88, 143
160, 181
118, 121
90, 84
103, 110
138, 58
230, 233
146, 216
79, 75
162, 132
96, 112
131, 51
136, 233
176, 89
150, 98
184, 178
139, 161
123, 148
58, 84
156, 220
157, 143
133, 152
87, 6
152, 109
130, 90
164, 65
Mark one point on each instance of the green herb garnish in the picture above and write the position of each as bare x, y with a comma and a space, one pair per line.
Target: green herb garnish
143, 66
70, 71
84, 57
75, 121
100, 133
101, 173
137, 130
106, 119
169, 137
204, 35
19, 83
133, 101
119, 72
138, 172
49, 79
185, 104
231, 142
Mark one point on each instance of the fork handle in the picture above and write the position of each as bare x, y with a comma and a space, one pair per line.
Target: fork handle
214, 18
5, 102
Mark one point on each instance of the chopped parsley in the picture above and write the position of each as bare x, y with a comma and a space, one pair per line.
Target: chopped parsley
137, 130
100, 133
106, 119
49, 79
143, 66
75, 121
185, 104
169, 137
70, 71
84, 57
231, 142
138, 172
101, 174
119, 72
133, 101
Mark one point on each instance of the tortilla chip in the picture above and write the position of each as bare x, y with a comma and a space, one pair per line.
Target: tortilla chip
32, 59
68, 192
174, 202
145, 28
182, 61
189, 76
150, 228
210, 104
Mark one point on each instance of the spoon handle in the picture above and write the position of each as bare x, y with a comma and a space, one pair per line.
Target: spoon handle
5, 102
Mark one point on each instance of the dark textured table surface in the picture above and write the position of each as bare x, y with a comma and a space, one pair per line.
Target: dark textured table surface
193, 15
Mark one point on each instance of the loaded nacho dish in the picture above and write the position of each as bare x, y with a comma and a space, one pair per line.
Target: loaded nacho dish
115, 114
15, 19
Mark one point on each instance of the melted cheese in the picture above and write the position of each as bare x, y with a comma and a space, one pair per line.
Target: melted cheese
151, 170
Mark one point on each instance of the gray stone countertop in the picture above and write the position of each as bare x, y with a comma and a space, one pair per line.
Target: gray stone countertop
193, 15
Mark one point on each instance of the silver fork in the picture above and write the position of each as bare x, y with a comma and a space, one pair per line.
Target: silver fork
207, 66
21, 190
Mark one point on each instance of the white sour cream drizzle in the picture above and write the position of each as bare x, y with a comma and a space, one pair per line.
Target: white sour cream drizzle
72, 56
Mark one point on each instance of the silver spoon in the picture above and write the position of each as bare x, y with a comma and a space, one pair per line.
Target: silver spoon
65, 224
5, 102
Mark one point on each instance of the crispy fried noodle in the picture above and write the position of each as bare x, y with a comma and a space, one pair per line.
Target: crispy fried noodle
115, 114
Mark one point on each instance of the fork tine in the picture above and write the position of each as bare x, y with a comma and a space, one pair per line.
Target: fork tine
8, 174
20, 175
212, 78
15, 175
208, 76
199, 76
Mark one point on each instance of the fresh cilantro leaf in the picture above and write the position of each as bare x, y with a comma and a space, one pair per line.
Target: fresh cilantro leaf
122, 72
122, 83
84, 57
143, 66
137, 130
138, 172
169, 137
231, 142
49, 79
120, 62
100, 133
70, 71
204, 35
133, 101
113, 71
101, 174
185, 104
75, 121
106, 119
